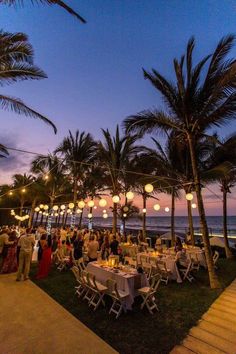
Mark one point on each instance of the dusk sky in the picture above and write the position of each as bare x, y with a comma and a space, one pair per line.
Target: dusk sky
94, 70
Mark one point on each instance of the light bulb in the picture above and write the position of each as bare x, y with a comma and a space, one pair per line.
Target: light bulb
189, 196
81, 204
194, 205
102, 203
149, 188
156, 207
90, 203
105, 216
167, 209
71, 205
144, 210
130, 195
90, 215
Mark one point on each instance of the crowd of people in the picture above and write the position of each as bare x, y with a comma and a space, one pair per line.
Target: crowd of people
18, 244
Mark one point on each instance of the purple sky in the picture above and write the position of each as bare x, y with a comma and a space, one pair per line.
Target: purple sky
94, 70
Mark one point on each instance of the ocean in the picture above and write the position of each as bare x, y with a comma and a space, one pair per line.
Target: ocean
162, 224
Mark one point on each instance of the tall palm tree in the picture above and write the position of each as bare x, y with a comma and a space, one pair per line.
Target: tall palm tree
51, 171
199, 100
60, 3
16, 64
78, 151
3, 151
113, 155
224, 153
22, 184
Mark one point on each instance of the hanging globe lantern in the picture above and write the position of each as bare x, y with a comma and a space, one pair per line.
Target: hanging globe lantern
10, 193
156, 207
115, 199
71, 205
46, 207
149, 188
189, 196
124, 215
23, 190
167, 209
102, 203
125, 208
63, 207
41, 206
90, 215
95, 207
144, 210
40, 212
81, 204
37, 209
194, 205
61, 212
91, 204
105, 216
78, 211
104, 211
56, 214
55, 207
129, 195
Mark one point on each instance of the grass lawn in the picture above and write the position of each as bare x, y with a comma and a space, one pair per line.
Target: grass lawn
180, 307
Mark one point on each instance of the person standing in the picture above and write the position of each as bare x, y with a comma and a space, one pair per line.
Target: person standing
26, 244
93, 247
10, 261
4, 240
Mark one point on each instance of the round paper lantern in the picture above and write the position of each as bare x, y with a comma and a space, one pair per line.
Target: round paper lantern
46, 214
156, 207
37, 209
23, 190
61, 213
105, 216
115, 199
40, 212
189, 196
90, 215
10, 193
56, 214
91, 204
46, 207
63, 207
71, 205
130, 195
55, 207
149, 188
125, 208
41, 206
194, 205
124, 215
167, 209
104, 211
144, 210
102, 203
26, 216
81, 204
78, 211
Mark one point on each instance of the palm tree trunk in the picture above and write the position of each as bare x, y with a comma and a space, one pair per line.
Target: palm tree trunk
214, 281
66, 219
114, 221
36, 220
124, 231
21, 210
225, 231
80, 219
173, 217
31, 216
190, 221
144, 217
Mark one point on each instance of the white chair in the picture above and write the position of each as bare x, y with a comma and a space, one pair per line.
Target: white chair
61, 262
164, 272
186, 272
147, 268
215, 258
148, 294
117, 296
89, 292
195, 262
130, 261
80, 288
99, 292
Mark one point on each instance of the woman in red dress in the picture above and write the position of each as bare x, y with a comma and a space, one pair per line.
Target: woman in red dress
45, 262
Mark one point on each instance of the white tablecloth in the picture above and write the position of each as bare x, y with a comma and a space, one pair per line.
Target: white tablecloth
198, 255
128, 250
129, 283
169, 261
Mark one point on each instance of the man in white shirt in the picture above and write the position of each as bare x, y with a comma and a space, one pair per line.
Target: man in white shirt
26, 244
93, 247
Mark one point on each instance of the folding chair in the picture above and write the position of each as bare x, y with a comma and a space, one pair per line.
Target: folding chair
147, 268
117, 296
164, 272
148, 294
186, 272
80, 288
89, 292
99, 292
62, 262
215, 258
195, 262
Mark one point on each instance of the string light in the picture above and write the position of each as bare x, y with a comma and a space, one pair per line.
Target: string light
144, 210
194, 205
124, 215
148, 188
23, 190
10, 193
105, 216
90, 215
167, 209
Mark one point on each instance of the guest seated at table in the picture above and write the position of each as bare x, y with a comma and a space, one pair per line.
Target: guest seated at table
114, 246
178, 244
181, 259
93, 247
188, 238
158, 243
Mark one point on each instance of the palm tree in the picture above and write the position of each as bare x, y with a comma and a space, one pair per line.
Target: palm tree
113, 155
21, 185
201, 99
126, 212
60, 3
78, 152
224, 153
3, 151
51, 171
16, 64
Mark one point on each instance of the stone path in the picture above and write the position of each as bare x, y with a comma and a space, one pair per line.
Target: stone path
216, 331
31, 322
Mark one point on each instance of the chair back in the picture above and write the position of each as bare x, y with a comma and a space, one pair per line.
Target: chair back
110, 283
216, 257
75, 271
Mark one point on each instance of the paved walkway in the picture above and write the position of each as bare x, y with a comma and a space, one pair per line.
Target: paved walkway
216, 331
31, 322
